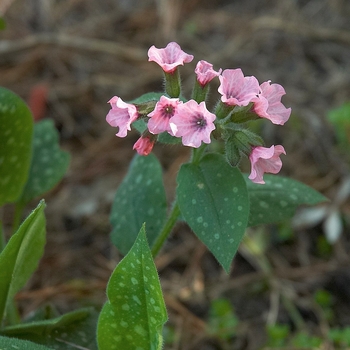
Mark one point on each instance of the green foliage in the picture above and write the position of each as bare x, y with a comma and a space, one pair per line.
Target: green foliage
213, 200
325, 300
340, 120
278, 199
2, 24
277, 335
134, 314
139, 199
73, 330
11, 344
222, 319
16, 132
340, 337
49, 162
147, 97
304, 340
21, 255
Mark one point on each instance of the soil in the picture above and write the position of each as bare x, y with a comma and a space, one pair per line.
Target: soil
68, 58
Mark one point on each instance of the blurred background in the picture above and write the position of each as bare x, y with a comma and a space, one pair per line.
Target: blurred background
67, 58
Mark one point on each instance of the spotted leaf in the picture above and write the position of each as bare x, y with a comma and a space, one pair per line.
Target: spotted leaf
73, 330
49, 162
16, 133
21, 255
139, 199
213, 200
278, 199
134, 314
7, 343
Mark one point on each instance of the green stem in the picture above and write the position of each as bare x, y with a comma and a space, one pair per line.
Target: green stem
175, 212
197, 153
173, 83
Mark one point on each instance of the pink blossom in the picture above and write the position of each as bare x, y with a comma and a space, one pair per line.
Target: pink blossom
268, 103
144, 146
170, 57
163, 111
205, 72
193, 122
236, 89
121, 115
265, 160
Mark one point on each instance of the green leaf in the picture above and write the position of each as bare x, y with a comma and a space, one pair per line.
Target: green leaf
139, 199
213, 200
340, 120
134, 314
165, 137
49, 163
278, 199
16, 132
149, 96
13, 344
21, 255
74, 330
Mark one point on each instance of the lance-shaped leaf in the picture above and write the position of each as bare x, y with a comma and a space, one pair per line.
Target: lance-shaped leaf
139, 199
16, 132
134, 314
213, 200
13, 344
49, 162
21, 255
74, 330
278, 199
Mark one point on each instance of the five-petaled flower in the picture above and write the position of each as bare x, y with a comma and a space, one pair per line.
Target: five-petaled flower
265, 160
193, 122
144, 145
205, 72
170, 57
236, 89
268, 103
160, 117
121, 115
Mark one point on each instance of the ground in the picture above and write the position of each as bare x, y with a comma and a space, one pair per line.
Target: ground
68, 58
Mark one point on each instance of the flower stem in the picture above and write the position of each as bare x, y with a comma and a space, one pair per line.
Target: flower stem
174, 214
173, 83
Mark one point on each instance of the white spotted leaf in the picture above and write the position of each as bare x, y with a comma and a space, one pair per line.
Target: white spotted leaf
74, 330
139, 199
135, 312
7, 343
49, 162
16, 133
21, 255
213, 200
278, 199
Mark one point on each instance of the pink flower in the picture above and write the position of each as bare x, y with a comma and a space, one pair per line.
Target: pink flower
193, 122
121, 115
144, 146
163, 111
205, 72
265, 160
268, 103
170, 57
236, 89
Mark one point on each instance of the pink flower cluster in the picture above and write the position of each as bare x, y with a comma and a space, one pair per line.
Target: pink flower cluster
192, 121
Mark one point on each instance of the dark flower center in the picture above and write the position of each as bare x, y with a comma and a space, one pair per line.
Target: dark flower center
168, 111
199, 121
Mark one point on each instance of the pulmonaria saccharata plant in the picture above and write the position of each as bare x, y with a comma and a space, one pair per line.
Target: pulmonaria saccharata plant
242, 100
213, 197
